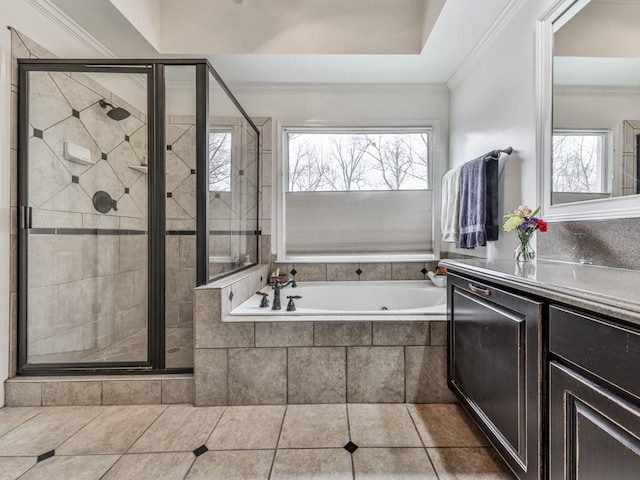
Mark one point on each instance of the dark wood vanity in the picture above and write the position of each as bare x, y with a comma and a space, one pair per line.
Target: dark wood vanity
551, 379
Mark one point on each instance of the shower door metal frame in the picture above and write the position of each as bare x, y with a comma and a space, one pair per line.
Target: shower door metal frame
156, 188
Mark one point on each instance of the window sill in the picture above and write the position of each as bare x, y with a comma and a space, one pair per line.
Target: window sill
373, 258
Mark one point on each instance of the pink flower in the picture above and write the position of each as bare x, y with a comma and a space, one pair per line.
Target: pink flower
523, 211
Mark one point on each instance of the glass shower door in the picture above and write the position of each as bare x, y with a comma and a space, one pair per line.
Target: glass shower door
86, 218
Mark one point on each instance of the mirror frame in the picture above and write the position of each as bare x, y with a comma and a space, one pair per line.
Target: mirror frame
617, 207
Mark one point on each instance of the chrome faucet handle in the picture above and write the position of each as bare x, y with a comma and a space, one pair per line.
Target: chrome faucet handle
291, 307
265, 299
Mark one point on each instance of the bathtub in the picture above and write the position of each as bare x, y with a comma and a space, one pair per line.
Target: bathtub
341, 301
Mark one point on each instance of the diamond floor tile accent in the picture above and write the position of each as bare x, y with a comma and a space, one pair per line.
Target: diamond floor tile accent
46, 455
350, 447
200, 450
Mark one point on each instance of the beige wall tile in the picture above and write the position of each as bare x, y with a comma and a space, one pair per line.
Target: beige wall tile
375, 374
342, 272
210, 376
438, 333
375, 271
178, 390
342, 333
400, 333
131, 392
426, 375
284, 334
407, 271
23, 394
310, 272
72, 393
257, 376
317, 375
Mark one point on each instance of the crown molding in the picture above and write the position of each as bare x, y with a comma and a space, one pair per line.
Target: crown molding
350, 88
71, 28
485, 42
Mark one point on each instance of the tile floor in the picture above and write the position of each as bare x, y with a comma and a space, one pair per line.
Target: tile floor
327, 442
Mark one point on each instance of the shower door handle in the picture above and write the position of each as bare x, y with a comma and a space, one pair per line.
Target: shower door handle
25, 217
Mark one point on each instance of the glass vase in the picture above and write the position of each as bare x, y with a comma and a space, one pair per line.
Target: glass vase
524, 253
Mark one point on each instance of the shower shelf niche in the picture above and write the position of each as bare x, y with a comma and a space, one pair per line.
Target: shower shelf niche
139, 168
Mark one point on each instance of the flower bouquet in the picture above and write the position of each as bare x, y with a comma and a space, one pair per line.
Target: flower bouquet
524, 222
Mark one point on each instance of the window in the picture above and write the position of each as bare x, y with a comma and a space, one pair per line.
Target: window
356, 193
219, 160
579, 161
324, 161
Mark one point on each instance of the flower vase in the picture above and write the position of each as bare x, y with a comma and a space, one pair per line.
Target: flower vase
524, 253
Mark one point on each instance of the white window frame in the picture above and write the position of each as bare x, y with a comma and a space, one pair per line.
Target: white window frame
436, 171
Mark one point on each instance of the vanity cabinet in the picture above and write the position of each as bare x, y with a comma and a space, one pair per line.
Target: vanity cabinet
494, 366
594, 393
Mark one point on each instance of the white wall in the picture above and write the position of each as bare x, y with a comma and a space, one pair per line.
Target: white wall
355, 105
493, 106
5, 96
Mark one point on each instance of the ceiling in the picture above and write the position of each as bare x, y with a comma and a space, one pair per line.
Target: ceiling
297, 41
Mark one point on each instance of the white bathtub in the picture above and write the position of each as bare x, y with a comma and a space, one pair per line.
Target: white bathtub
326, 301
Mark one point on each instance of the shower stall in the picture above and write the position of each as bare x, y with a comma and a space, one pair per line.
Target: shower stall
138, 181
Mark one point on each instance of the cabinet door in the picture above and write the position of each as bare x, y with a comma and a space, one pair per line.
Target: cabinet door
595, 435
494, 367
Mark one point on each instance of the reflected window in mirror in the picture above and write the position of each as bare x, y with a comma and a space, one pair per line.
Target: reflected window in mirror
580, 165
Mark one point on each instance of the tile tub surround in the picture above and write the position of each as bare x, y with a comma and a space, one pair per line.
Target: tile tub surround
246, 442
609, 243
311, 362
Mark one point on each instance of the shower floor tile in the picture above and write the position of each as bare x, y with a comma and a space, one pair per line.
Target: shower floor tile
358, 442
179, 350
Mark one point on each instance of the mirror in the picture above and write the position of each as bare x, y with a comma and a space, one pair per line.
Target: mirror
596, 103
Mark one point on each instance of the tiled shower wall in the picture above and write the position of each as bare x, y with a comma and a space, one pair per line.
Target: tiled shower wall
71, 267
181, 211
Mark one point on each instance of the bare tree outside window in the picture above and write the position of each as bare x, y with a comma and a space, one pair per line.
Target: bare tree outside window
577, 163
321, 161
307, 171
219, 161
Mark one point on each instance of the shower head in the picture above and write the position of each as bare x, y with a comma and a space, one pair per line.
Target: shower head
116, 113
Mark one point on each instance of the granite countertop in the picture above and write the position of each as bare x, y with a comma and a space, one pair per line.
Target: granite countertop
609, 291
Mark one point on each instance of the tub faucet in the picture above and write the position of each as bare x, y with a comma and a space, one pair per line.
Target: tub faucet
276, 292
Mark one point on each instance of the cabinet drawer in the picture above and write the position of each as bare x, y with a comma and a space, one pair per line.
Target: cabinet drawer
606, 349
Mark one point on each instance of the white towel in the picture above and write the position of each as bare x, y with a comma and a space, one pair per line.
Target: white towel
449, 221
